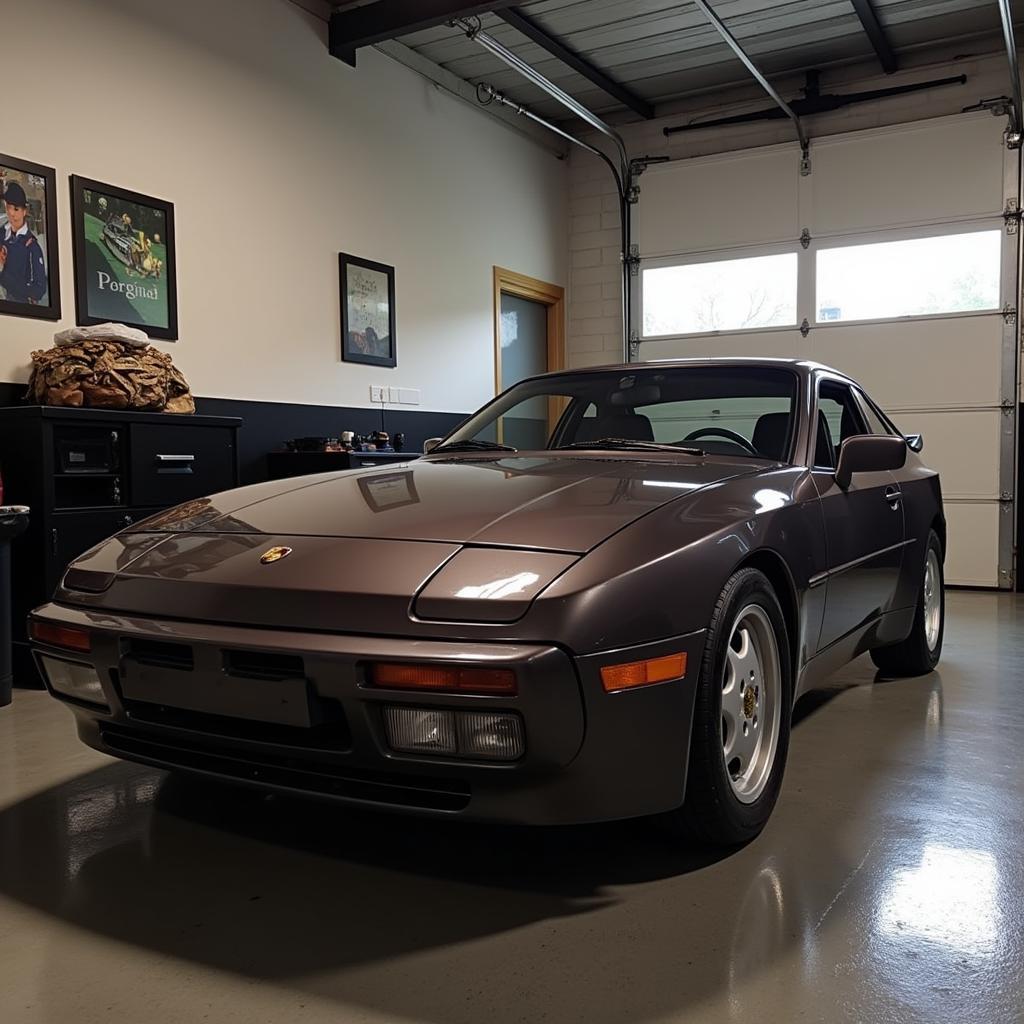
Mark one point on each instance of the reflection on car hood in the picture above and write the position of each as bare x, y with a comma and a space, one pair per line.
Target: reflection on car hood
558, 503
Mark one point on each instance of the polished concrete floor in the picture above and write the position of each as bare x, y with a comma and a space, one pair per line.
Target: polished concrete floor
888, 887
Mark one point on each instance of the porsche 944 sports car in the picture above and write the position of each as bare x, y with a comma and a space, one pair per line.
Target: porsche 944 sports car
598, 597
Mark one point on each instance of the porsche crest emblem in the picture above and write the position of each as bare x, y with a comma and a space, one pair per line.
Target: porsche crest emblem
274, 555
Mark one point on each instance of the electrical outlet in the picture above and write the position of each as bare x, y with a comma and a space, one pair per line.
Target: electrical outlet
376, 393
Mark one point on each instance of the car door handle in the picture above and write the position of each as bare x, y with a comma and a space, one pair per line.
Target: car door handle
893, 495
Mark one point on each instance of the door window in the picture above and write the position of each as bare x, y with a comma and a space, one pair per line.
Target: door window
876, 425
839, 417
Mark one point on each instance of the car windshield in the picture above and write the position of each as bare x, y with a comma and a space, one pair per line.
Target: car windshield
728, 410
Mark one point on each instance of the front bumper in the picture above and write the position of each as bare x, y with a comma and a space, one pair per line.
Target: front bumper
590, 755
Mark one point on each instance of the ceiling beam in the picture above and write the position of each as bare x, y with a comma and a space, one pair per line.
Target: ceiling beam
354, 27
873, 29
515, 17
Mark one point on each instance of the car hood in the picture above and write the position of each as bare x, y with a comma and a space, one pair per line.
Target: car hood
567, 503
470, 540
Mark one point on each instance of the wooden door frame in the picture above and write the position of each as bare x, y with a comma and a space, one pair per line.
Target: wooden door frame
551, 295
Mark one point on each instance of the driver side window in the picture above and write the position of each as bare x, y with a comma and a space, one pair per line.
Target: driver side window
839, 417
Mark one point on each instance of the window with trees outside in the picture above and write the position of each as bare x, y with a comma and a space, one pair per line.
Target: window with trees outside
723, 295
910, 277
934, 275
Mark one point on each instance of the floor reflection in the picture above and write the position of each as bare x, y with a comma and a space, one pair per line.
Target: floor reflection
888, 886
949, 897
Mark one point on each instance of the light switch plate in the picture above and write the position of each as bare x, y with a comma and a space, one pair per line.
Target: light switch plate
409, 396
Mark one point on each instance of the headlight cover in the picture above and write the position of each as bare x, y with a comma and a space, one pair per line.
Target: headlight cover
96, 570
489, 584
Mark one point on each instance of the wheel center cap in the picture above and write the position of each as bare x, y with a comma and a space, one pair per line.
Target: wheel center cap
749, 700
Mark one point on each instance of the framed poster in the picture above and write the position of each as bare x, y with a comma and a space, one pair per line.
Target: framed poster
367, 311
29, 261
125, 267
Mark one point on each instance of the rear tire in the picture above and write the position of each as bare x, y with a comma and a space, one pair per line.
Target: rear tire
740, 733
920, 652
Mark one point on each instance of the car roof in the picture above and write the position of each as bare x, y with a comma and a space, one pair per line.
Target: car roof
805, 367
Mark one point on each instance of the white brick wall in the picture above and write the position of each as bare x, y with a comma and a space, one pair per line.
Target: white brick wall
594, 334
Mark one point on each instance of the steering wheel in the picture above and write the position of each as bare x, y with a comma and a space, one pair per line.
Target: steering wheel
723, 432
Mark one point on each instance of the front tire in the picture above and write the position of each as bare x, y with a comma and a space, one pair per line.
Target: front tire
740, 734
920, 652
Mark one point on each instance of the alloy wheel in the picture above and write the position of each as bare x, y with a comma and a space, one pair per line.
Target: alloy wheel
751, 709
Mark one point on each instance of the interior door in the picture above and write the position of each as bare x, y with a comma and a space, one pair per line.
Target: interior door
523, 353
864, 524
529, 338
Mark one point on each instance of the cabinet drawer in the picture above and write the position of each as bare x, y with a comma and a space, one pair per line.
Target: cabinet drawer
175, 462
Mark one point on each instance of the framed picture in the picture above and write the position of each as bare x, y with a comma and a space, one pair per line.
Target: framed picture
367, 311
29, 262
125, 268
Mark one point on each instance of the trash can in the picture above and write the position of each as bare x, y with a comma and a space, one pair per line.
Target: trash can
13, 521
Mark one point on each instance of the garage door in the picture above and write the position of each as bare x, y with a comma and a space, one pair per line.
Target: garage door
892, 261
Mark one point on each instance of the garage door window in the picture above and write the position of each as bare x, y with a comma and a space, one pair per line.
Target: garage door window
911, 277
723, 295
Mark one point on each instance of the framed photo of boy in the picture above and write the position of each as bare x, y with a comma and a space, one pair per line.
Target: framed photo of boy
125, 265
29, 261
367, 311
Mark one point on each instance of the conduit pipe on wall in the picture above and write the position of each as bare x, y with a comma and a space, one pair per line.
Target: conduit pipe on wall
625, 175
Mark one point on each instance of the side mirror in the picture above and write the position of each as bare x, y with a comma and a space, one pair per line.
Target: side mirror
915, 442
430, 444
869, 453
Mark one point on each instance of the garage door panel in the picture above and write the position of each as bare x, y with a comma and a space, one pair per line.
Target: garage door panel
708, 203
962, 446
767, 345
919, 363
972, 557
929, 171
944, 376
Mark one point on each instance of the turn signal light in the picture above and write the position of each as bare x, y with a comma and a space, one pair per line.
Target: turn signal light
643, 673
445, 679
54, 635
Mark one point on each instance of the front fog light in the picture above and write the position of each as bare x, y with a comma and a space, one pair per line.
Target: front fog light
490, 736
420, 730
73, 679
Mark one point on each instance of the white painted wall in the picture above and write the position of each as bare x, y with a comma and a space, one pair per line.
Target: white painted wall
277, 157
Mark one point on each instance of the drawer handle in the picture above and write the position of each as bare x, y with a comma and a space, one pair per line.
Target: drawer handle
175, 463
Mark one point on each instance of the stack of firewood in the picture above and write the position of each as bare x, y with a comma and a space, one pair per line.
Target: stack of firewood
108, 375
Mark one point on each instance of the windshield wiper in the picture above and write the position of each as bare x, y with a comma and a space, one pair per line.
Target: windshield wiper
625, 444
473, 445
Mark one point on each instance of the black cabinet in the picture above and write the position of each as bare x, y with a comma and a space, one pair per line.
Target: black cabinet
169, 466
87, 473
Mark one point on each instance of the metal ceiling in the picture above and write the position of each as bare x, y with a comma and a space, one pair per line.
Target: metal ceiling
659, 51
